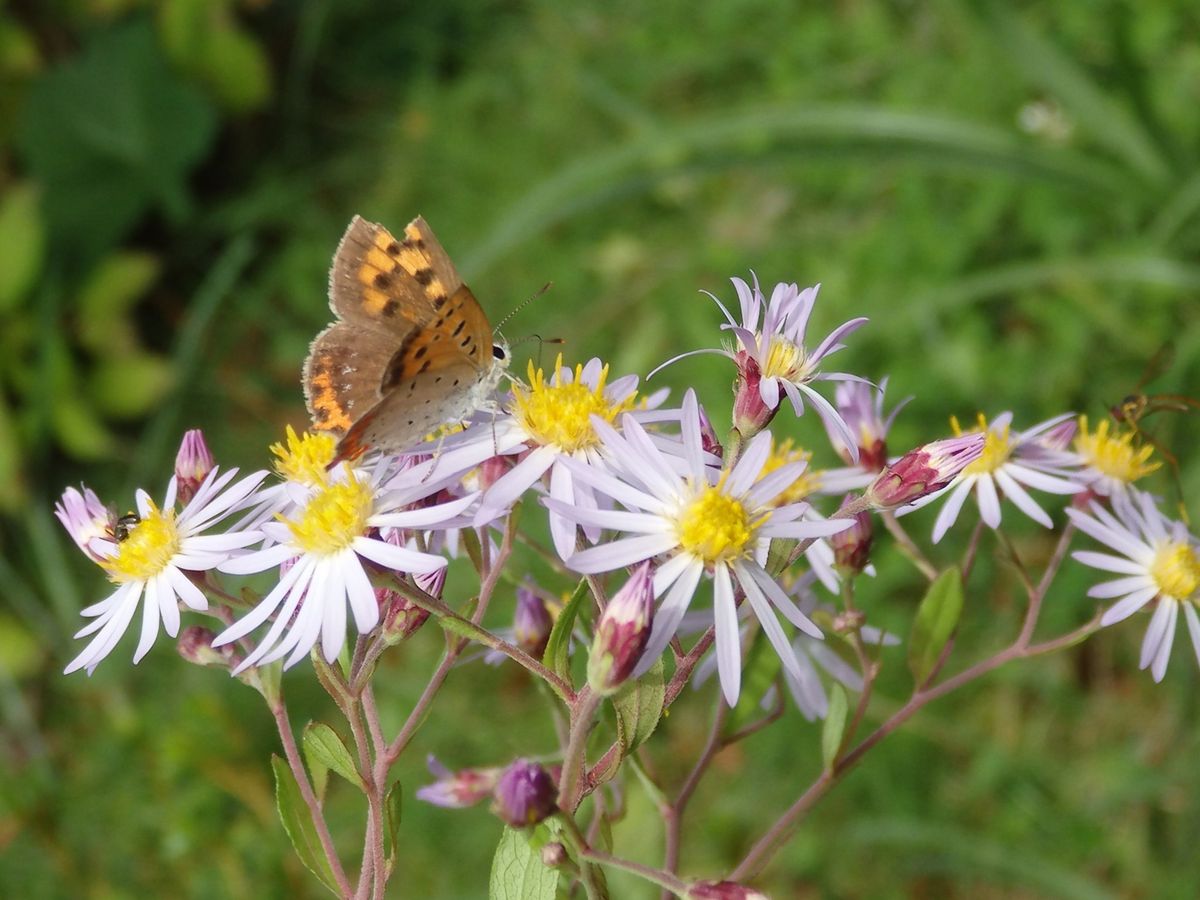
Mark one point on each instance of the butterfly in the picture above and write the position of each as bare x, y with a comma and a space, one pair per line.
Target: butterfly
411, 348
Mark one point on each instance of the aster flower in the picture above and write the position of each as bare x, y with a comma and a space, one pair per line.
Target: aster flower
1111, 461
1158, 561
333, 533
1010, 461
152, 561
702, 522
772, 359
85, 518
457, 790
860, 405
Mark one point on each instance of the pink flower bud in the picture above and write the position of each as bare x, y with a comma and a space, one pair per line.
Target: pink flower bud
723, 890
524, 795
192, 464
923, 471
195, 645
750, 414
852, 547
457, 790
622, 632
708, 436
532, 623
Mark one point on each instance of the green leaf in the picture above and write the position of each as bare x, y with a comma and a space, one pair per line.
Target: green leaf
639, 706
110, 134
297, 822
392, 806
556, 657
517, 871
778, 554
834, 726
203, 37
131, 386
936, 619
23, 237
104, 303
322, 744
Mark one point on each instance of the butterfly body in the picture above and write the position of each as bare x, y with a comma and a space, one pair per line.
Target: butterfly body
411, 348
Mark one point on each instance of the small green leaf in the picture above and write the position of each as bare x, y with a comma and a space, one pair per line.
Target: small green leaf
556, 656
835, 725
936, 619
518, 872
779, 553
23, 237
297, 822
107, 297
322, 744
474, 550
392, 806
130, 386
639, 706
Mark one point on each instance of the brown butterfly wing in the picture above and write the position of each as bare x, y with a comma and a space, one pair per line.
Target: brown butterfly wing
343, 374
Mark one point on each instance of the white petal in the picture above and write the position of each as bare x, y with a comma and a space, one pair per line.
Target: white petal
258, 561
625, 552
1120, 587
1109, 563
989, 502
515, 482
562, 527
168, 603
361, 596
748, 467
399, 559
266, 607
772, 591
1021, 499
150, 619
949, 512
770, 625
1127, 607
333, 624
191, 595
618, 520
668, 614
728, 640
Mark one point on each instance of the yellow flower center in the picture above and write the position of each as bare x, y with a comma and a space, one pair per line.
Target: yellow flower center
1176, 570
784, 359
808, 481
559, 415
716, 527
1114, 455
305, 457
997, 447
150, 546
334, 517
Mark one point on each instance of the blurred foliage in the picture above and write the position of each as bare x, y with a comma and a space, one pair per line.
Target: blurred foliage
1010, 192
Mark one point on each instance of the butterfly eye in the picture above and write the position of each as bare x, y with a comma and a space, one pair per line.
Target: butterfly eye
498, 351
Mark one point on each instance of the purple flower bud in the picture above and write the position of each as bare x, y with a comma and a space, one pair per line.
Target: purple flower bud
852, 547
723, 890
457, 790
622, 632
192, 464
554, 855
532, 623
524, 795
195, 645
708, 436
401, 617
923, 471
750, 414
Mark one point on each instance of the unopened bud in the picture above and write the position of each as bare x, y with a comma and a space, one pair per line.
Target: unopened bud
923, 471
1060, 436
709, 442
457, 790
750, 414
554, 855
524, 795
532, 623
849, 621
401, 617
192, 464
722, 890
622, 632
492, 469
852, 547
195, 645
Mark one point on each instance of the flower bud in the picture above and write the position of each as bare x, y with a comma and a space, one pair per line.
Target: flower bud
722, 890
849, 621
532, 623
195, 645
457, 790
708, 436
750, 414
554, 855
401, 617
852, 547
622, 632
524, 795
492, 469
923, 471
192, 464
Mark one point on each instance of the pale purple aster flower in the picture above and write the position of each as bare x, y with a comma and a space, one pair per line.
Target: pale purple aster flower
771, 337
334, 532
1010, 462
718, 523
860, 405
1158, 560
193, 462
457, 790
152, 562
86, 519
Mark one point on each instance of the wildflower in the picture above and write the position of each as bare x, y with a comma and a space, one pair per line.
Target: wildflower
192, 464
771, 357
532, 622
328, 539
1009, 460
1159, 560
852, 547
153, 561
860, 405
622, 632
524, 795
457, 790
401, 617
86, 519
696, 526
1112, 459
923, 472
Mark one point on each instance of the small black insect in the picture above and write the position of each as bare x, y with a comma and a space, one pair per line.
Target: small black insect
124, 525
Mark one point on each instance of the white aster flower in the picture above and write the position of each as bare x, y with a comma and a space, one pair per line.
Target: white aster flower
152, 560
704, 522
1159, 560
85, 518
1112, 463
333, 531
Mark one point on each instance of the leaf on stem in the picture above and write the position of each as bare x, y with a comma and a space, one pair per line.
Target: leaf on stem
392, 806
298, 824
518, 872
323, 746
937, 618
834, 727
639, 706
555, 657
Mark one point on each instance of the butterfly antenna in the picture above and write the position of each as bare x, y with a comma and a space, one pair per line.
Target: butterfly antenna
521, 306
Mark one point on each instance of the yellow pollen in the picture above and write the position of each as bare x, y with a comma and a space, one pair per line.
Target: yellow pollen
305, 457
334, 517
809, 480
784, 360
1176, 570
559, 415
151, 545
997, 447
1114, 454
716, 527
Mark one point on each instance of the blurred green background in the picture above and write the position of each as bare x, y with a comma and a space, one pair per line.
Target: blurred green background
1011, 193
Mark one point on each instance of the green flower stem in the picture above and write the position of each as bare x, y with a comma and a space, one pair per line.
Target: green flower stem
583, 715
907, 545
